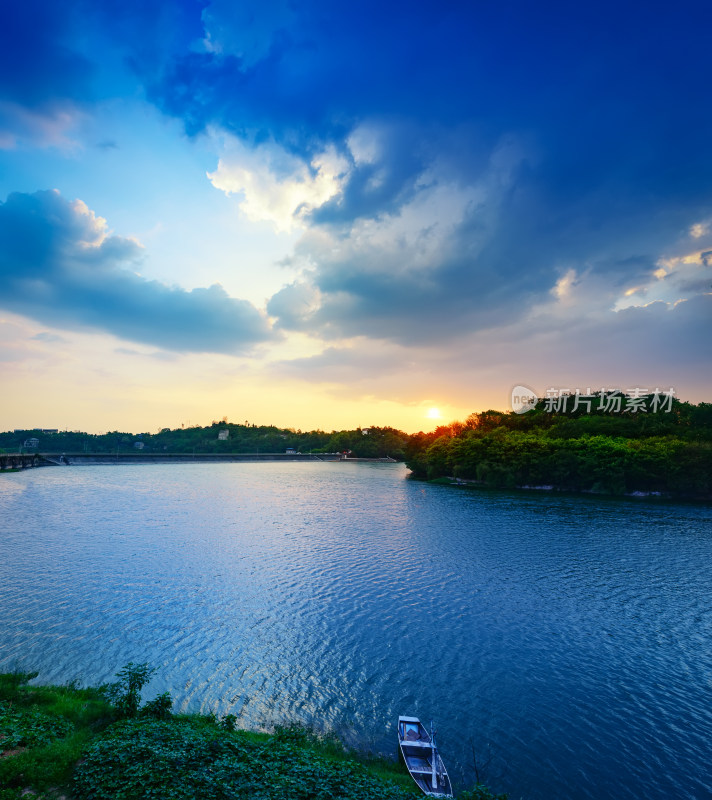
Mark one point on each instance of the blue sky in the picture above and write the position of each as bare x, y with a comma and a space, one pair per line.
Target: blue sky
315, 214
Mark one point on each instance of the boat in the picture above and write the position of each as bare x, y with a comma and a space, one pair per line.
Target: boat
421, 757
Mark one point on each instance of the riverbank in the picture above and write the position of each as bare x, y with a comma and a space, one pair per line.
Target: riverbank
98, 459
69, 743
464, 483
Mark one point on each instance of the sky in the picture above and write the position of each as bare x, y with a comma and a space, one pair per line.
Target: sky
324, 215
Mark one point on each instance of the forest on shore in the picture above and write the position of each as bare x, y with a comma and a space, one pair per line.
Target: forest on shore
218, 437
667, 450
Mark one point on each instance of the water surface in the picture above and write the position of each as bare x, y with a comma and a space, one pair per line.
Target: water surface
565, 639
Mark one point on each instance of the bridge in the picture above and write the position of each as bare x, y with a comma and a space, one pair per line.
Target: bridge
10, 461
20, 460
143, 457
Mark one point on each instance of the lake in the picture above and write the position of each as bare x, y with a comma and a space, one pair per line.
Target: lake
567, 640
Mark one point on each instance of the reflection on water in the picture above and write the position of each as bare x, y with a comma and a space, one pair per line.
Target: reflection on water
570, 636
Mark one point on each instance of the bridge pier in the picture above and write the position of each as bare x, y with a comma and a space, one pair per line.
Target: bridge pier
19, 460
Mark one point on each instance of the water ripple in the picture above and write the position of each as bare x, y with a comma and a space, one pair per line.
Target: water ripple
566, 640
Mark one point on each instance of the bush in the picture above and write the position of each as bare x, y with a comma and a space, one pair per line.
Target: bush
159, 707
29, 727
227, 723
10, 683
125, 694
184, 759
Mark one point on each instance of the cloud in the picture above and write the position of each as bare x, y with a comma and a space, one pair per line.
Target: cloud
699, 229
308, 73
390, 96
438, 265
49, 338
676, 278
60, 265
656, 345
277, 186
475, 243
48, 126
449, 168
157, 355
296, 70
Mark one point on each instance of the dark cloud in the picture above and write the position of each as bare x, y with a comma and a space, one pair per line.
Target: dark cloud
58, 60
616, 110
657, 337
384, 184
308, 72
58, 265
516, 239
603, 99
482, 271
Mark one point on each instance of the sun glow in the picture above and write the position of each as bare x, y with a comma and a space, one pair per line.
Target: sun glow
434, 413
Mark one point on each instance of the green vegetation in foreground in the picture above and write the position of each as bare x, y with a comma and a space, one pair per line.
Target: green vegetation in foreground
102, 744
590, 450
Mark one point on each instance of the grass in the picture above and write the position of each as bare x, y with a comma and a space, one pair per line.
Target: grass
43, 731
68, 743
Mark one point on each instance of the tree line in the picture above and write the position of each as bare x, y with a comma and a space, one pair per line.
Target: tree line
576, 446
219, 437
588, 450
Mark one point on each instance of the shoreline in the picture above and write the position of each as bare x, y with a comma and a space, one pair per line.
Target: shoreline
656, 496
95, 459
100, 743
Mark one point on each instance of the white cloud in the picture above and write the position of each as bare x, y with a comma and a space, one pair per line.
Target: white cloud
563, 287
676, 278
411, 239
402, 258
699, 229
277, 186
59, 266
366, 144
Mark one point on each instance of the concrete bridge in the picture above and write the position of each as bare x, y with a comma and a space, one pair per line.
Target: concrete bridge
25, 460
19, 460
142, 457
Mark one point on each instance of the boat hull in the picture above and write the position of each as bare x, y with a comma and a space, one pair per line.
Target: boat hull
420, 755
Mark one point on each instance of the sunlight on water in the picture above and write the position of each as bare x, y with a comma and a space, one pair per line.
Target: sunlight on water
568, 638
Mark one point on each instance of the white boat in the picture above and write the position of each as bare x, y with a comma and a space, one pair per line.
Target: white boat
421, 757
